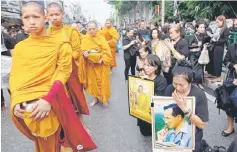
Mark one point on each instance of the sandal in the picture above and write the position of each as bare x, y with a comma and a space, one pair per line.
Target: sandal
224, 134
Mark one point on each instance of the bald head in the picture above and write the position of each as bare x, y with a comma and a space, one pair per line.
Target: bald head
92, 28
32, 4
54, 5
92, 23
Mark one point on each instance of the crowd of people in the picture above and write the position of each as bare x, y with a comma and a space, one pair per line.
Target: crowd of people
165, 56
52, 67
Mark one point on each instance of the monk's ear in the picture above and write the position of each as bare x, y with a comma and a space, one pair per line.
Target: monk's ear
46, 19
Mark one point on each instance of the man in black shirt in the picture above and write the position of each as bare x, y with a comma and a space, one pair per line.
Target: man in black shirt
7, 44
143, 33
130, 50
21, 36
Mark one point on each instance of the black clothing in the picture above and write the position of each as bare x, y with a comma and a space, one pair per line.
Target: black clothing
20, 37
201, 109
130, 56
229, 61
130, 63
214, 67
8, 42
182, 47
160, 87
198, 69
142, 34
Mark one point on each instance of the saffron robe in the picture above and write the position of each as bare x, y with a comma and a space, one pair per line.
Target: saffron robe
37, 63
95, 76
112, 36
75, 90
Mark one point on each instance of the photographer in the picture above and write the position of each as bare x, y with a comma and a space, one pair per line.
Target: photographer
130, 52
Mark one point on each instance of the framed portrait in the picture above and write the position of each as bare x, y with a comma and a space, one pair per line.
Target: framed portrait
171, 129
140, 92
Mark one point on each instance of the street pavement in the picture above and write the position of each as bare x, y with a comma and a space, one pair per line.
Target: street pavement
113, 129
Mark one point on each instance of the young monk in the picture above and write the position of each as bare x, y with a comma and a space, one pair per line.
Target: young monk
112, 36
40, 108
60, 31
95, 64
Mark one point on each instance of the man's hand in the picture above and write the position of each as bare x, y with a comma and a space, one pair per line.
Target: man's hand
132, 42
162, 134
40, 109
86, 54
18, 111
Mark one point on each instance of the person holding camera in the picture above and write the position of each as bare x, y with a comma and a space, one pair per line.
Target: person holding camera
130, 52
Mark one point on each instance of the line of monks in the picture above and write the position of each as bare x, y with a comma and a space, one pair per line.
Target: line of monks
50, 70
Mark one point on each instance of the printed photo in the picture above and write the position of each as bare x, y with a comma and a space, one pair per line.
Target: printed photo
140, 92
171, 129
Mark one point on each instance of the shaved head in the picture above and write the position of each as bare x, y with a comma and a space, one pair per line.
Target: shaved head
55, 5
32, 4
92, 22
92, 28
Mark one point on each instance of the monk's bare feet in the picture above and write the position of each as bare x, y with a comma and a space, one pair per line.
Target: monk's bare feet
94, 102
105, 105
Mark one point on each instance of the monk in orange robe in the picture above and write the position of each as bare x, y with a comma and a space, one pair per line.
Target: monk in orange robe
95, 64
112, 36
37, 63
60, 31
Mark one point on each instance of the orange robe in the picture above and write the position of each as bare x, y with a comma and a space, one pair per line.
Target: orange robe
96, 76
36, 63
112, 36
70, 34
75, 90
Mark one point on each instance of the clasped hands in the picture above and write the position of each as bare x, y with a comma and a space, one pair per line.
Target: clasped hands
86, 54
40, 109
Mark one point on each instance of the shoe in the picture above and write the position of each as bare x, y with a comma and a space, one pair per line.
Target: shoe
224, 134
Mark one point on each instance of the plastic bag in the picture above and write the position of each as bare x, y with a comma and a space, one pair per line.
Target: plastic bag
204, 57
119, 46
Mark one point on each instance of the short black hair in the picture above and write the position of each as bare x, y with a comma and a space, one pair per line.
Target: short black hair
158, 32
175, 110
154, 60
186, 72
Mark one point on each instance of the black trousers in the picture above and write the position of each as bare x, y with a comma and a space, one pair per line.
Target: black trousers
130, 63
2, 97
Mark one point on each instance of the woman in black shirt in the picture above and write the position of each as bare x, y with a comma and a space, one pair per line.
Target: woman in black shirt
152, 68
220, 38
181, 88
196, 45
230, 62
179, 48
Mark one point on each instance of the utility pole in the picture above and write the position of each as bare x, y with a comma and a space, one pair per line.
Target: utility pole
162, 12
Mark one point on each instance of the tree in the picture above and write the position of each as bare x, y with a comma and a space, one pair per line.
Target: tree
195, 10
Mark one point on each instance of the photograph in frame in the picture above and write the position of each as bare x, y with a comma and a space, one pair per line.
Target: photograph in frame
171, 130
140, 92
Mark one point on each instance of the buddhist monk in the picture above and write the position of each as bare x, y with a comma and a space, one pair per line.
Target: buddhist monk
95, 64
112, 36
60, 31
41, 65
